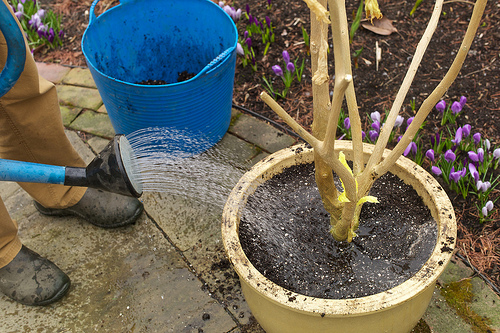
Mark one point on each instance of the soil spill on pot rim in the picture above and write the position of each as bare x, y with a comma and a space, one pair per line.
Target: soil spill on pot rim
284, 232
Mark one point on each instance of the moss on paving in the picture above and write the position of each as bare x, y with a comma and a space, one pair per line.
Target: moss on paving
459, 296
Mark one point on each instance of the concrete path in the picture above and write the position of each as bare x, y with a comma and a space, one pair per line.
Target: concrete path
168, 272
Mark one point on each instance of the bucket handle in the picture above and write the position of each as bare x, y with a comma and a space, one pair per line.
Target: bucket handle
220, 58
92, 15
16, 54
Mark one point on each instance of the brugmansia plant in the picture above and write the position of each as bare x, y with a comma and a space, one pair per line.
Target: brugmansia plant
344, 208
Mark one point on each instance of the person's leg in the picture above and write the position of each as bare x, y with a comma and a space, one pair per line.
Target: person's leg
25, 276
31, 130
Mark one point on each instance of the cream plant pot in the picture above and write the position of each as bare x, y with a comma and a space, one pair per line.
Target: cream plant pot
395, 310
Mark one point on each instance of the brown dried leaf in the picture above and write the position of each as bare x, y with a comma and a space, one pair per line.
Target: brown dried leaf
381, 26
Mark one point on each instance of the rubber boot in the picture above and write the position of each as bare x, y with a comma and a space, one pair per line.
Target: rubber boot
33, 280
103, 209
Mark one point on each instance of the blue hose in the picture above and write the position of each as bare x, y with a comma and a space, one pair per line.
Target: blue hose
16, 50
31, 172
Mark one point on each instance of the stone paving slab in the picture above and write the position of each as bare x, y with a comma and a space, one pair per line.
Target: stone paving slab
94, 123
86, 98
79, 77
52, 72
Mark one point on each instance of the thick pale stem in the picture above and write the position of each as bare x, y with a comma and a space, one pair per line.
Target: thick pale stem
342, 58
288, 119
321, 109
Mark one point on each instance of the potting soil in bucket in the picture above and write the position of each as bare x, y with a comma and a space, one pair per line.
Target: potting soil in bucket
138, 42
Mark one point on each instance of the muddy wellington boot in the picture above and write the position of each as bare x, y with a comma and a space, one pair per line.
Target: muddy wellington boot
103, 209
33, 280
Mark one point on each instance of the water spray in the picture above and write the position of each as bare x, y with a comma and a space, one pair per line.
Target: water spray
114, 169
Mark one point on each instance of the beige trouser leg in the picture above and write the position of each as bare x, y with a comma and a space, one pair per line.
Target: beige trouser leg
31, 130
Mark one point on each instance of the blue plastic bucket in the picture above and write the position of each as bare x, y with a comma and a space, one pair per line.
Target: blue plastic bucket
138, 41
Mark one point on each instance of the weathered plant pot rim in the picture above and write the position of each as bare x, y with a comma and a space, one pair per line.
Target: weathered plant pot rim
426, 276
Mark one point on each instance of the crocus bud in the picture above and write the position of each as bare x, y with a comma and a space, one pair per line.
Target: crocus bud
487, 144
375, 116
480, 154
484, 211
399, 121
473, 172
347, 123
376, 126
247, 8
286, 56
463, 100
473, 156
458, 136
237, 14
363, 135
249, 42
466, 130
268, 22
290, 67
449, 156
412, 147
239, 50
456, 107
408, 122
435, 170
441, 106
277, 70
454, 175
19, 15
373, 135
477, 138
489, 205
496, 153
430, 154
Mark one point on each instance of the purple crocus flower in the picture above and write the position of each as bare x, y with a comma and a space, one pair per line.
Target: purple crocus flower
221, 4
477, 138
399, 138
277, 70
19, 15
473, 172
50, 35
483, 186
441, 106
408, 122
496, 153
449, 156
269, 2
35, 21
456, 107
237, 14
341, 137
286, 56
61, 34
347, 123
268, 22
435, 139
373, 135
245, 35
363, 135
375, 116
480, 154
458, 136
249, 42
239, 50
430, 155
435, 170
41, 13
290, 67
376, 126
399, 121
466, 130
473, 156
247, 8
454, 175
487, 144
487, 208
463, 100
412, 147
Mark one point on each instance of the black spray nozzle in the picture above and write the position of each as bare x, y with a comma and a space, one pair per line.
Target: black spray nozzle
112, 170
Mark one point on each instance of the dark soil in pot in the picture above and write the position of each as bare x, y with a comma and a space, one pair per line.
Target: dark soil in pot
284, 232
